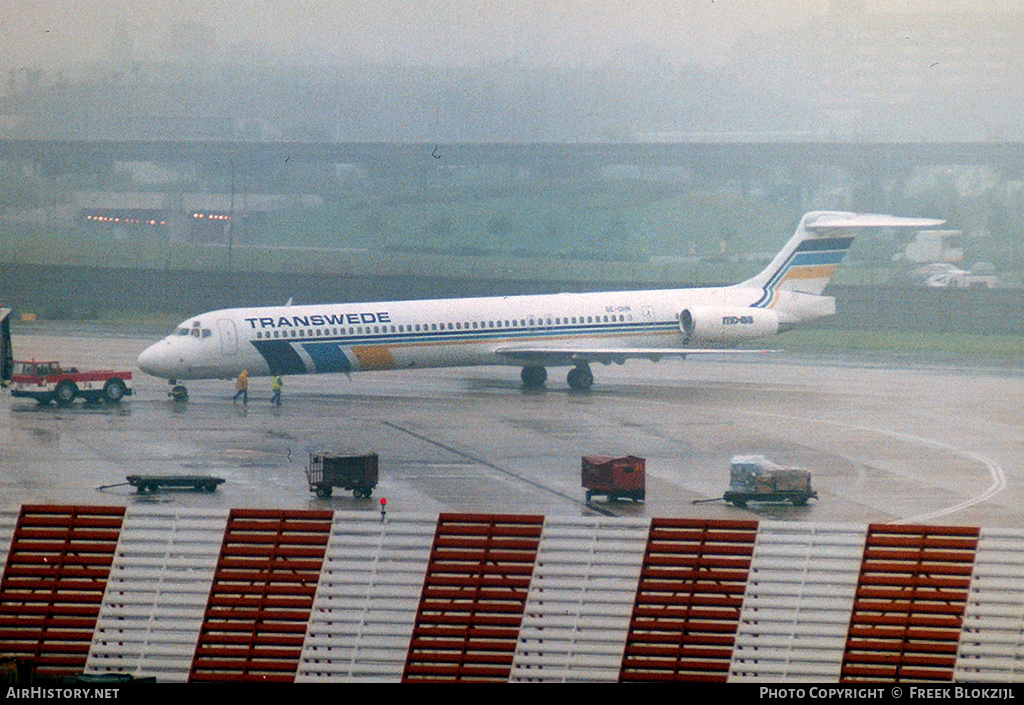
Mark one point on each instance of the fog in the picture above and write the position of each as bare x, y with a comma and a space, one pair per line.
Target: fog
525, 71
511, 70
448, 33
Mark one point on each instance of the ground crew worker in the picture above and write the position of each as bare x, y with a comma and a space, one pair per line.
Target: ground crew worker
242, 387
275, 386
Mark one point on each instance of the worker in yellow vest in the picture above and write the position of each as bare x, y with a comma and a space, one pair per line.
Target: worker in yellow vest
275, 386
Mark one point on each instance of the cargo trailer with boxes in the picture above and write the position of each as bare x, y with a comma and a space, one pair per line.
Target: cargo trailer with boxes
754, 478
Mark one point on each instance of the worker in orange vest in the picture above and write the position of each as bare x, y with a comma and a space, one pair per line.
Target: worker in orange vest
242, 387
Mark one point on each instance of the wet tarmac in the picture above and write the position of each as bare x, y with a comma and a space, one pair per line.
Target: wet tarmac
885, 442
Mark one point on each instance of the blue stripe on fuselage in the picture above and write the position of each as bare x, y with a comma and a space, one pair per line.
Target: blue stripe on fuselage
478, 336
328, 357
281, 357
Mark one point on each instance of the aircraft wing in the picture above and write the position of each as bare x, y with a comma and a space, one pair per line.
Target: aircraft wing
571, 356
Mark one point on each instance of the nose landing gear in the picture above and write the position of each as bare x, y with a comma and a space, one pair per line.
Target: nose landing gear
178, 392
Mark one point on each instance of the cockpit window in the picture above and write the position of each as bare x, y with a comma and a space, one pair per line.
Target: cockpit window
207, 332
181, 331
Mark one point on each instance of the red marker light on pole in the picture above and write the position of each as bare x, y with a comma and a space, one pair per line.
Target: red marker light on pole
383, 508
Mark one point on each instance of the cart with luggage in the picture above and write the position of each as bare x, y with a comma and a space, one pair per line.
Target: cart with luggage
614, 478
348, 471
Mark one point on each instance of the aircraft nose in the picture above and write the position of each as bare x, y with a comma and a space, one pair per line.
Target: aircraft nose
153, 361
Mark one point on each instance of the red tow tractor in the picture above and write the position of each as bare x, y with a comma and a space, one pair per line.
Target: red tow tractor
48, 381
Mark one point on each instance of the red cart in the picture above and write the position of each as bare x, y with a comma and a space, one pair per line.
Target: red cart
615, 478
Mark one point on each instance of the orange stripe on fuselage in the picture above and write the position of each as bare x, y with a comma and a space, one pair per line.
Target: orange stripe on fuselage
374, 357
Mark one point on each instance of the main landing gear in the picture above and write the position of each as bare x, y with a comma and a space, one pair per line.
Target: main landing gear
533, 376
580, 378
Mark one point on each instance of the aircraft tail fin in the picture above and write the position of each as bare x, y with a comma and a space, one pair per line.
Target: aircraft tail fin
807, 262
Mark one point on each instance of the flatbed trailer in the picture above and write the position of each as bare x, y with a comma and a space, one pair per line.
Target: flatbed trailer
798, 498
151, 483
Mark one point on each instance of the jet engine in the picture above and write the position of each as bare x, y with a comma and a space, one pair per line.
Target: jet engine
718, 325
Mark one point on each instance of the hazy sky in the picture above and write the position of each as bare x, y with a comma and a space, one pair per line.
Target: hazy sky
56, 34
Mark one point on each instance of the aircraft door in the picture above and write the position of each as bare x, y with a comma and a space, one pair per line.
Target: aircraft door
228, 336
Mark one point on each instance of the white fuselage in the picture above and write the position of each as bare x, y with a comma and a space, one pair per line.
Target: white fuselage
422, 334
529, 331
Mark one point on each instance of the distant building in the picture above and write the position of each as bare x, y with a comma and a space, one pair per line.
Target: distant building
934, 246
179, 217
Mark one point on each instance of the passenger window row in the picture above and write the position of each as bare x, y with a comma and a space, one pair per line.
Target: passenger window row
523, 323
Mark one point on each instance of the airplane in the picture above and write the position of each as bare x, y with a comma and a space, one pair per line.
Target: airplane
533, 332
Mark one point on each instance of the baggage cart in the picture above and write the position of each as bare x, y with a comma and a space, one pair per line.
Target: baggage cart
754, 478
357, 473
615, 478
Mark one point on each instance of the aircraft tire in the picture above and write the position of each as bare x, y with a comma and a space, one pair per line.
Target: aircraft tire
534, 376
580, 378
